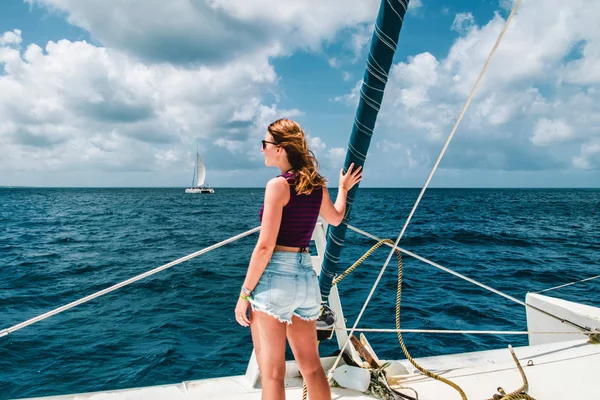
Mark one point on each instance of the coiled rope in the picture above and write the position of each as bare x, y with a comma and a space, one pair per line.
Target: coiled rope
384, 388
398, 331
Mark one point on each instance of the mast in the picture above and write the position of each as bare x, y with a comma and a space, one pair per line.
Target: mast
379, 61
195, 168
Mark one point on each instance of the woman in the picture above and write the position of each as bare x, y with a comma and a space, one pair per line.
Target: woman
280, 283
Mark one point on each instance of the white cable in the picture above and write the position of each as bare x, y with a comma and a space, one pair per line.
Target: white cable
562, 320
569, 284
462, 332
58, 310
448, 270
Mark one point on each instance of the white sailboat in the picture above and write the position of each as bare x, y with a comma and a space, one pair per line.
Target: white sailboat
199, 178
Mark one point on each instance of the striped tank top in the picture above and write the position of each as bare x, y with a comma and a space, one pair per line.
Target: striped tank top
299, 216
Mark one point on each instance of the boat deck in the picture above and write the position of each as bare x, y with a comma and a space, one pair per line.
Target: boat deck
560, 371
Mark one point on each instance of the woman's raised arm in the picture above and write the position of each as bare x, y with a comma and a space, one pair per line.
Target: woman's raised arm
334, 213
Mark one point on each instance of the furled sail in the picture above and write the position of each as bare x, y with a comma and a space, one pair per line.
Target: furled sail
379, 61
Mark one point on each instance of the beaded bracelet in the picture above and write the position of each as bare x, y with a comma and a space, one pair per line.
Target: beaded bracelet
246, 291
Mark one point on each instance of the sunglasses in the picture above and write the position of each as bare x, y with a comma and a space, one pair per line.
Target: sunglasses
264, 143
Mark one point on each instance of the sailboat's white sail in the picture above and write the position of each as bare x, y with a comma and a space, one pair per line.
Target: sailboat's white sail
200, 171
199, 178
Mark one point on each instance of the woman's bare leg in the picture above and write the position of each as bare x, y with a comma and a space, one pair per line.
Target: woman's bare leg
268, 336
302, 336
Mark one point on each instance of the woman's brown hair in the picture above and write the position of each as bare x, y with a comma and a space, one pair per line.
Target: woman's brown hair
288, 134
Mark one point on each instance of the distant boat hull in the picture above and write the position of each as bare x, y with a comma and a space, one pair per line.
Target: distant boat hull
200, 190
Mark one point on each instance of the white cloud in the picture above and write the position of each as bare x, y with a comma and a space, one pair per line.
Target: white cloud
212, 30
387, 145
75, 105
400, 156
585, 70
256, 121
165, 158
337, 64
548, 131
336, 157
507, 4
360, 39
463, 22
316, 144
589, 156
417, 76
11, 38
187, 72
351, 98
539, 93
234, 146
415, 4
161, 81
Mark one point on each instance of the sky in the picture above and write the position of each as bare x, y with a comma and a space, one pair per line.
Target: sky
120, 93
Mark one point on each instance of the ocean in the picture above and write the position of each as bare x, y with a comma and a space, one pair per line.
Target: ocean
58, 245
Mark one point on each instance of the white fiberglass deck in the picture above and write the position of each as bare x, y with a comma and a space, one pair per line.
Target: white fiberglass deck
565, 370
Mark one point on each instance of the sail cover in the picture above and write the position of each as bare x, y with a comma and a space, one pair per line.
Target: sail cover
379, 61
200, 171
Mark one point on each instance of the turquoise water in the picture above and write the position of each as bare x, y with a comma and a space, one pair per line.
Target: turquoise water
58, 245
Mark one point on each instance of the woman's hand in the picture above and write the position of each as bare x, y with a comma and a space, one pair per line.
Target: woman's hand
241, 312
351, 177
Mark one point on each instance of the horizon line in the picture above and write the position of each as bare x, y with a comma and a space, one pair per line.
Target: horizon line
262, 187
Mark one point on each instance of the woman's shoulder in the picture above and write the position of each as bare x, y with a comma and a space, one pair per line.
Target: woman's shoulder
277, 184
277, 191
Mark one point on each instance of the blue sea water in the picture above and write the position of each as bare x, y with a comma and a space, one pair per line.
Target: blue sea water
58, 245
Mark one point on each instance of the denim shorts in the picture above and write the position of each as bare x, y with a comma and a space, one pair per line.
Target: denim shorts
288, 286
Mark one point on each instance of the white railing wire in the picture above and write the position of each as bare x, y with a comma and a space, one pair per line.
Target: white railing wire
58, 310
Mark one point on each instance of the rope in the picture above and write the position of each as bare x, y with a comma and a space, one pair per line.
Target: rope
381, 387
432, 263
58, 310
520, 393
569, 284
404, 349
380, 243
360, 261
584, 330
398, 330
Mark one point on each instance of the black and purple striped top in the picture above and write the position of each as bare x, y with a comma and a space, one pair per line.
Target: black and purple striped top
299, 216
